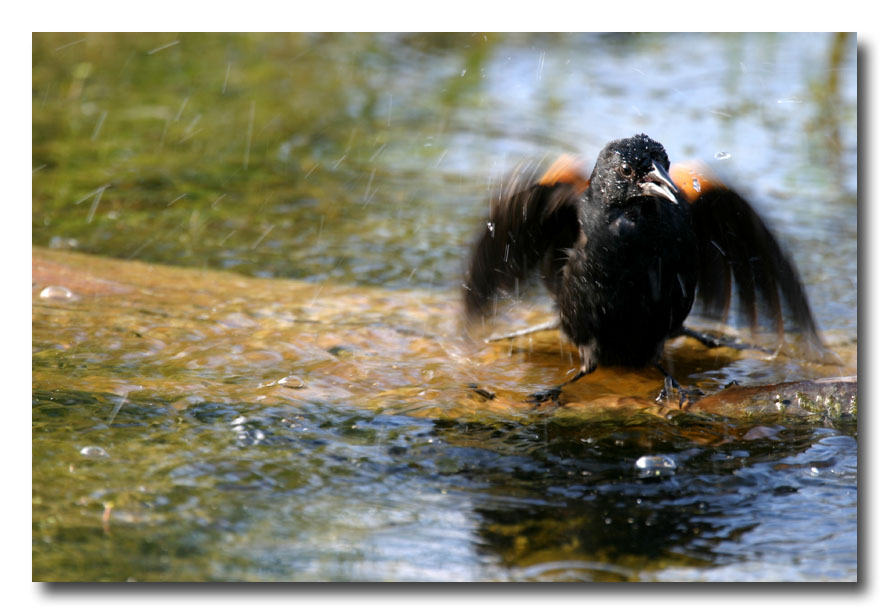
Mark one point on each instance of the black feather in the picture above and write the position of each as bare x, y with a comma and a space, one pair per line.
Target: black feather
736, 246
627, 254
529, 229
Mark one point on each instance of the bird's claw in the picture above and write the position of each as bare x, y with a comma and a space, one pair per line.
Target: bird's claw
672, 392
550, 394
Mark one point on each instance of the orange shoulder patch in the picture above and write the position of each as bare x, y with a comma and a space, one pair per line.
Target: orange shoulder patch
566, 169
693, 178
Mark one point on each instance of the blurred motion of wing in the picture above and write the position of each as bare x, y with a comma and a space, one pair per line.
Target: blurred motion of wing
625, 254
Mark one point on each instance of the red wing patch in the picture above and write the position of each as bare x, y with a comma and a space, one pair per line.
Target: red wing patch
566, 169
693, 178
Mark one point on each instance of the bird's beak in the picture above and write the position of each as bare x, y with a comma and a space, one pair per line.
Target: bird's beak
658, 183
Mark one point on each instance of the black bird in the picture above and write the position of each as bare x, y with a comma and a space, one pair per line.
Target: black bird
626, 253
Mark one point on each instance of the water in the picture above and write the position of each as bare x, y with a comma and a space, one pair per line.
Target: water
320, 417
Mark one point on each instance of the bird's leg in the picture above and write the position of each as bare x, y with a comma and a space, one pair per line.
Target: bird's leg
552, 394
552, 325
712, 341
671, 386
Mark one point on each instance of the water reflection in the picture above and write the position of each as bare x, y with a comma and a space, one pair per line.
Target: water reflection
319, 492
577, 499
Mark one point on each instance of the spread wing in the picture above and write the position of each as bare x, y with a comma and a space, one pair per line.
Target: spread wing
738, 251
533, 221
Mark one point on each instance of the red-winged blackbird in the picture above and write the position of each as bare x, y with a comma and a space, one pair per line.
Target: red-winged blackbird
626, 253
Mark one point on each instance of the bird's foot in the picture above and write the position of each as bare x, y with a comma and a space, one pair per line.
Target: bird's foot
553, 394
673, 392
485, 394
550, 394
724, 341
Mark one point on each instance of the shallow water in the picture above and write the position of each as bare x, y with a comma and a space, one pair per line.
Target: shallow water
197, 426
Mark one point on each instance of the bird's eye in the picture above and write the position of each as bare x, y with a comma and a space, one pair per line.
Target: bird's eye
625, 170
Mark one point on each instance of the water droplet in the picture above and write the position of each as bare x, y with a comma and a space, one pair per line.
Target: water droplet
291, 381
491, 228
722, 155
696, 184
57, 293
655, 466
463, 72
94, 452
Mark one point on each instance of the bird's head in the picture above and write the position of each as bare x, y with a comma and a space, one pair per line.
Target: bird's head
628, 169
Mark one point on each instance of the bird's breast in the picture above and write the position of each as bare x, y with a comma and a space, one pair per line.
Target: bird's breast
640, 252
622, 226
